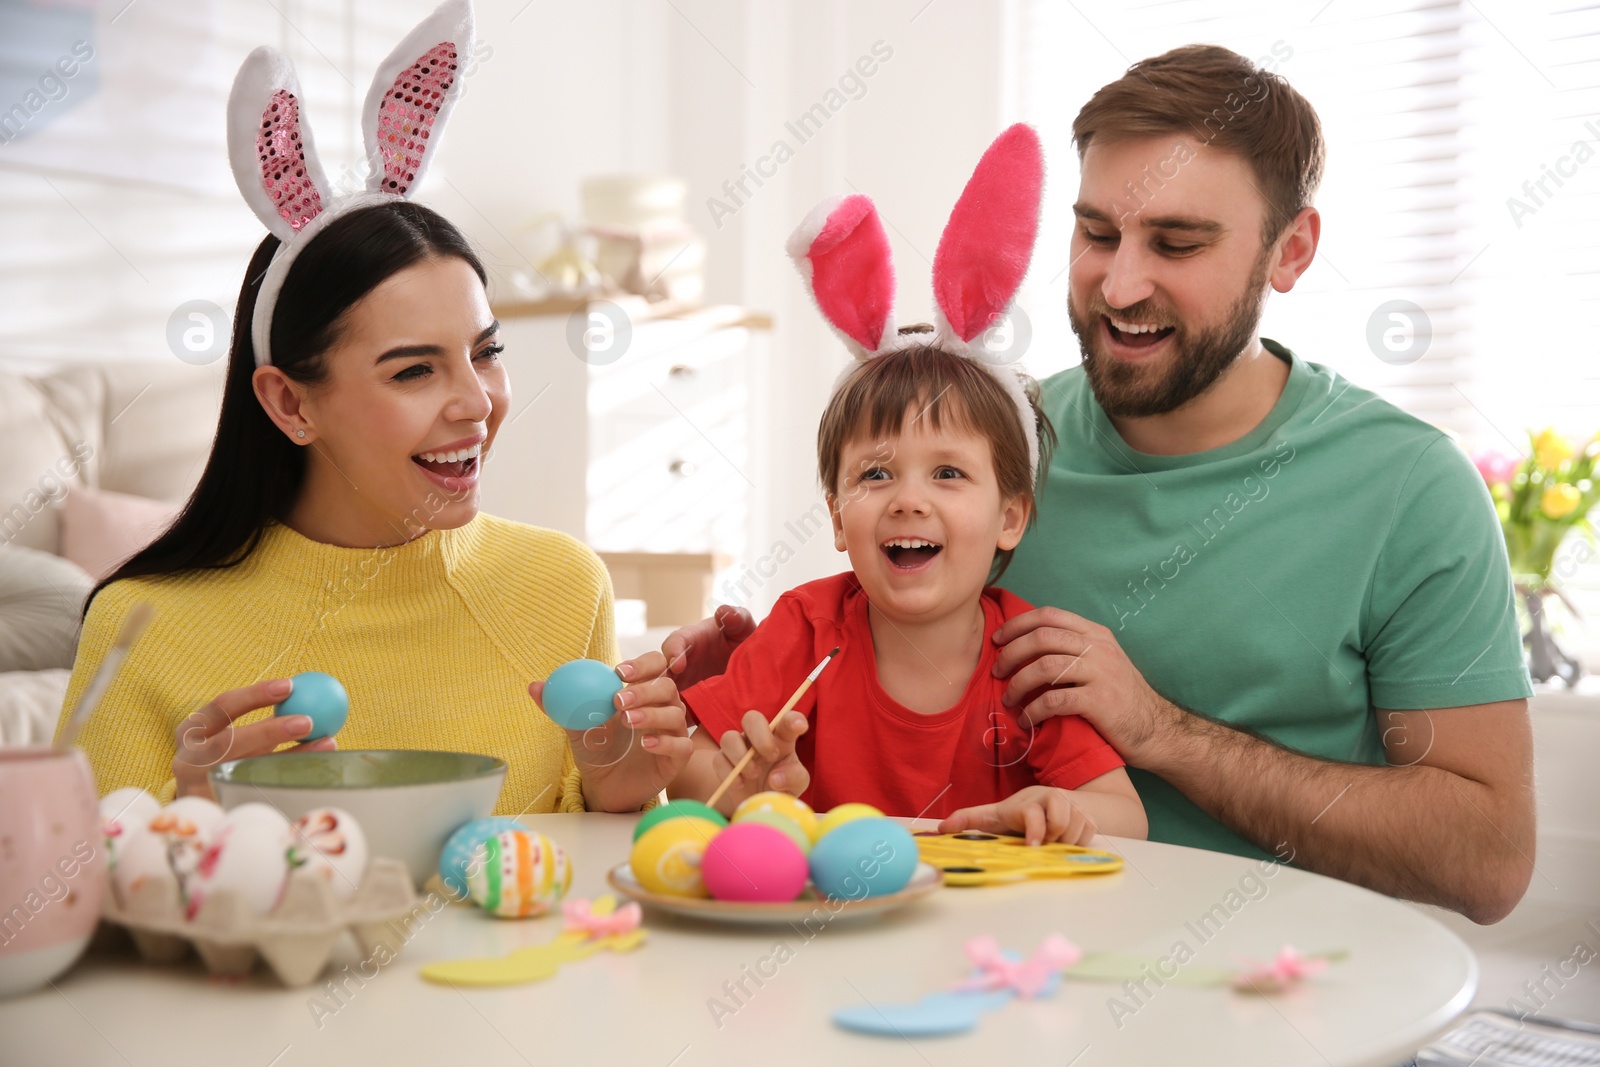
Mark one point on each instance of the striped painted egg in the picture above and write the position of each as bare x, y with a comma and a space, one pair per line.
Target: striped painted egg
518, 873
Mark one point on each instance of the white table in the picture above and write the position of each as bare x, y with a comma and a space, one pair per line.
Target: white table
1406, 978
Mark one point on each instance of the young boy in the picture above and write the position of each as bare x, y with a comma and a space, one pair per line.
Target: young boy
929, 484
928, 454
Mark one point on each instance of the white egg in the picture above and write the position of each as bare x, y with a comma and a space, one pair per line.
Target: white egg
187, 825
249, 854
330, 842
121, 811
141, 857
256, 812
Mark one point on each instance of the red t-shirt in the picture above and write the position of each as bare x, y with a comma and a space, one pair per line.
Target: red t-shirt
865, 746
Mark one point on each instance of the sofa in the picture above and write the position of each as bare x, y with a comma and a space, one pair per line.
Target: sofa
94, 459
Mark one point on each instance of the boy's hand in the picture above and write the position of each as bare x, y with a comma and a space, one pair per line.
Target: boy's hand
1040, 813
775, 765
635, 753
701, 649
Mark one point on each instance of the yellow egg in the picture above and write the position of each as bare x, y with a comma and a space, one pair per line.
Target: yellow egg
846, 813
783, 804
666, 858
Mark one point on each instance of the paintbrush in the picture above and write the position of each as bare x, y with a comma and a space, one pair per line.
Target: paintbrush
744, 761
132, 627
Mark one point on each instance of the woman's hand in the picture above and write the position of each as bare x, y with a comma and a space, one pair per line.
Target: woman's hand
634, 754
1039, 813
701, 649
208, 737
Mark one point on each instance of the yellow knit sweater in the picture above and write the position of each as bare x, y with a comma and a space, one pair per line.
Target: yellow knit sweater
435, 641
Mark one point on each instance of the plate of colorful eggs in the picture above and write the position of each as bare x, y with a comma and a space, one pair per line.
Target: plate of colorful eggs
775, 861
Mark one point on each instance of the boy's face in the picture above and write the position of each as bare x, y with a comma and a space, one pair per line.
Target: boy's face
935, 491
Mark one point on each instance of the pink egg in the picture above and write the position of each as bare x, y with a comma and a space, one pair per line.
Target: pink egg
753, 862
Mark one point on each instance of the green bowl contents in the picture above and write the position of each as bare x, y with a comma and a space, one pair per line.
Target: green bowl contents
358, 770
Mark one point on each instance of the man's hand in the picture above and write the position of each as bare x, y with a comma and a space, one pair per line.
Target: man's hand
634, 754
701, 649
1039, 813
1075, 667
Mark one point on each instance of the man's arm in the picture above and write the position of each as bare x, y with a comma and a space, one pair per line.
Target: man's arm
1450, 821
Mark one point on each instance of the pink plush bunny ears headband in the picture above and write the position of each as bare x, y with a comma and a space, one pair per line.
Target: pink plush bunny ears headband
843, 255
276, 164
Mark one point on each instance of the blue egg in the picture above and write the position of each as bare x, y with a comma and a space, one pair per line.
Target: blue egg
458, 849
863, 858
320, 698
578, 695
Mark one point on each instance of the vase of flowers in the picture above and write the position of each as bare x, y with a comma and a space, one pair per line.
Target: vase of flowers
1541, 499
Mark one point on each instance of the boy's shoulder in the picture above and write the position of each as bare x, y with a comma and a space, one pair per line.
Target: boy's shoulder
826, 598
1011, 605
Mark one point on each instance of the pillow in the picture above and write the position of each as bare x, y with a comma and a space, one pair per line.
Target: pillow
101, 529
30, 705
41, 608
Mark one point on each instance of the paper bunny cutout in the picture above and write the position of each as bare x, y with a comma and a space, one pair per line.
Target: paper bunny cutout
275, 160
843, 256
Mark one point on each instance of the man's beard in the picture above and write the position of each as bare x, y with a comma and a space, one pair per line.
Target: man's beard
1193, 366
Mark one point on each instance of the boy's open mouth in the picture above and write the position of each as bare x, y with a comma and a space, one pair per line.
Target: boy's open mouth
909, 553
457, 464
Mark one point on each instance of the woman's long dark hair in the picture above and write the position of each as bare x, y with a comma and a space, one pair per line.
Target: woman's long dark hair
254, 473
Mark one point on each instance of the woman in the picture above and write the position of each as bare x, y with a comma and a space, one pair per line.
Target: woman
329, 533
336, 525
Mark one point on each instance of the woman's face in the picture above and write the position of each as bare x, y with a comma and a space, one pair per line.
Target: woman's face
414, 393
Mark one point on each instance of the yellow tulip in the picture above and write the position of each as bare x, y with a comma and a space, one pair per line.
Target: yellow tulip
1559, 501
1551, 449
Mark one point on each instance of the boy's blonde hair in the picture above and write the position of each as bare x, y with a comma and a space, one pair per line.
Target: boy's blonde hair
872, 402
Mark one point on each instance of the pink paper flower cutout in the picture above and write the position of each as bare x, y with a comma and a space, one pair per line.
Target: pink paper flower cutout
1289, 968
581, 918
1054, 954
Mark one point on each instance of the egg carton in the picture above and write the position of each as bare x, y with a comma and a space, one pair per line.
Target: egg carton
296, 939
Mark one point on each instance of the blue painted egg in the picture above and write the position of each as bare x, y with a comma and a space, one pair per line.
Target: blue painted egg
459, 847
864, 858
577, 695
320, 698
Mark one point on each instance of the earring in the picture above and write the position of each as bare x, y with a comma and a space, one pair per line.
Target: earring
299, 433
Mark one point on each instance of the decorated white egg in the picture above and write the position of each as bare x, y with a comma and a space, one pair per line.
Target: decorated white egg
330, 842
141, 857
249, 854
187, 825
123, 810
518, 873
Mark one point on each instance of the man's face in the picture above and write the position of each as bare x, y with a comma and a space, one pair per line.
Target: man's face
1168, 280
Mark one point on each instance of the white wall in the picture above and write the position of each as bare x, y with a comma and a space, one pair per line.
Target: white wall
94, 264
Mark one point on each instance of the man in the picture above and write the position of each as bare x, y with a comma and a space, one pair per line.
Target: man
1311, 581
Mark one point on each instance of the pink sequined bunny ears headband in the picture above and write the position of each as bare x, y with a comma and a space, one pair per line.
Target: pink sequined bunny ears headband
843, 255
275, 161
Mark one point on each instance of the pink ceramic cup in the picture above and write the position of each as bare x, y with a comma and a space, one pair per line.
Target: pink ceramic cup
52, 864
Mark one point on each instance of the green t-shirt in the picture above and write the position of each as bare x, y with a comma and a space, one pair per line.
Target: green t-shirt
1342, 556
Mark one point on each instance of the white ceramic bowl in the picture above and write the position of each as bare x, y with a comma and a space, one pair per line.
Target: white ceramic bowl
408, 801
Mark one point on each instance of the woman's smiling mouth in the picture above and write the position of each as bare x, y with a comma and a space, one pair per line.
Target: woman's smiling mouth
452, 469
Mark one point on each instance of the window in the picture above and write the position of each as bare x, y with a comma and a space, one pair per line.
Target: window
1463, 177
